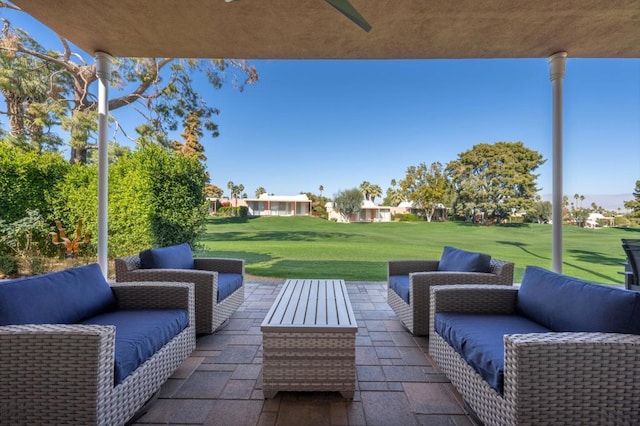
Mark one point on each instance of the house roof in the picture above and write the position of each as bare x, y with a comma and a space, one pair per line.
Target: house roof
282, 198
299, 29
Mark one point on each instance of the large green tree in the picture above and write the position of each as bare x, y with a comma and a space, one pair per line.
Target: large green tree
162, 89
634, 205
426, 186
26, 87
348, 202
495, 180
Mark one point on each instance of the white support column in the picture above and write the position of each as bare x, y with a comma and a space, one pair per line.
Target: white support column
557, 63
103, 70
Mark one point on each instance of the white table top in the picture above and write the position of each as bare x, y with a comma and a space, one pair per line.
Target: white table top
311, 305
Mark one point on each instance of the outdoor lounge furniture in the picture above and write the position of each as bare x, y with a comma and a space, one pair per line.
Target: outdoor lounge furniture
75, 350
219, 282
409, 281
632, 250
558, 350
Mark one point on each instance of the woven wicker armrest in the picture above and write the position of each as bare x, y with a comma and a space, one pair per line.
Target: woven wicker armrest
404, 267
58, 371
474, 298
588, 376
156, 295
220, 264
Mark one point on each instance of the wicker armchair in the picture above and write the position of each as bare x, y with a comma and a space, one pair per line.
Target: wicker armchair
569, 378
423, 274
209, 313
64, 373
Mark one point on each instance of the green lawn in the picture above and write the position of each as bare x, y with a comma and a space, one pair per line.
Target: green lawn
305, 247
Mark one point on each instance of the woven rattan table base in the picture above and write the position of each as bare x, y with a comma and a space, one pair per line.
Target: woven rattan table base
309, 341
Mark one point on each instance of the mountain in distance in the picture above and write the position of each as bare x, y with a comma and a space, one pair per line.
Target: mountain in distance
611, 202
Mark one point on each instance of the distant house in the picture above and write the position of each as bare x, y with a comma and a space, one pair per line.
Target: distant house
596, 220
408, 207
279, 205
369, 212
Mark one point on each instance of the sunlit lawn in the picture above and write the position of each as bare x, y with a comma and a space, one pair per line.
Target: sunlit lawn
305, 247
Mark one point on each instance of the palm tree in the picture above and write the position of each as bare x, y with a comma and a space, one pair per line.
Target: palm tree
260, 191
365, 188
230, 188
375, 191
321, 188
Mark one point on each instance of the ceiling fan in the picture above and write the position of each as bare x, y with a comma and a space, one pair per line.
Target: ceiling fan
344, 7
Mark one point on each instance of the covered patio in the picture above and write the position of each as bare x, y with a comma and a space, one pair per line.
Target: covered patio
397, 381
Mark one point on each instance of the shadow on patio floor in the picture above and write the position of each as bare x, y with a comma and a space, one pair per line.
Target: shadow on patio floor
397, 382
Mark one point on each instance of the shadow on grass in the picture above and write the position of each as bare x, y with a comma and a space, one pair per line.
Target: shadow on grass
522, 246
631, 229
228, 220
249, 257
274, 236
594, 258
501, 225
323, 269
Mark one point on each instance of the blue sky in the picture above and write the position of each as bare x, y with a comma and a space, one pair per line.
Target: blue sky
337, 123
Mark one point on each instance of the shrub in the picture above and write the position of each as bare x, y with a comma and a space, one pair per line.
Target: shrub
239, 211
8, 265
26, 239
27, 180
621, 222
156, 198
405, 217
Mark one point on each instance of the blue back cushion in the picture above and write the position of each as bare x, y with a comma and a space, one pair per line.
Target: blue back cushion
63, 297
456, 260
172, 257
140, 334
227, 284
479, 339
564, 303
400, 284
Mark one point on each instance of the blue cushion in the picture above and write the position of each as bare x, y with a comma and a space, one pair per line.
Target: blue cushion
564, 303
400, 284
139, 335
479, 339
63, 297
456, 260
227, 284
172, 257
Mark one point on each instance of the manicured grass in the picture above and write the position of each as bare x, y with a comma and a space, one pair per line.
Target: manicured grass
305, 247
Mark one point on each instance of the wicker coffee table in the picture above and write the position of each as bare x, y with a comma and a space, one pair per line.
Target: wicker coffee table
309, 339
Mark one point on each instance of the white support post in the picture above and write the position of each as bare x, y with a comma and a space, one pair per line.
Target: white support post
103, 71
557, 63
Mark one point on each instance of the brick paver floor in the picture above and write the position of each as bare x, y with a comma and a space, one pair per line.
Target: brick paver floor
397, 382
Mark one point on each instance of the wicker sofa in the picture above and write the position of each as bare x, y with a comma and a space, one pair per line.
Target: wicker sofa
558, 350
409, 282
75, 350
219, 282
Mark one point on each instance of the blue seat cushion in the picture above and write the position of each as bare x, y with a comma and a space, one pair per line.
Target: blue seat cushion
456, 260
227, 284
140, 334
564, 303
62, 297
400, 284
479, 339
172, 257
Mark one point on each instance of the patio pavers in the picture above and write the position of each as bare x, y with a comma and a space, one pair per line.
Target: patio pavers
397, 382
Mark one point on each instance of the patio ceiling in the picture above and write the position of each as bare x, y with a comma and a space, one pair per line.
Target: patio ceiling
256, 29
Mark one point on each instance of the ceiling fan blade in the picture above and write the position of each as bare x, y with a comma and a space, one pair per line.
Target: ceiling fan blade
344, 7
